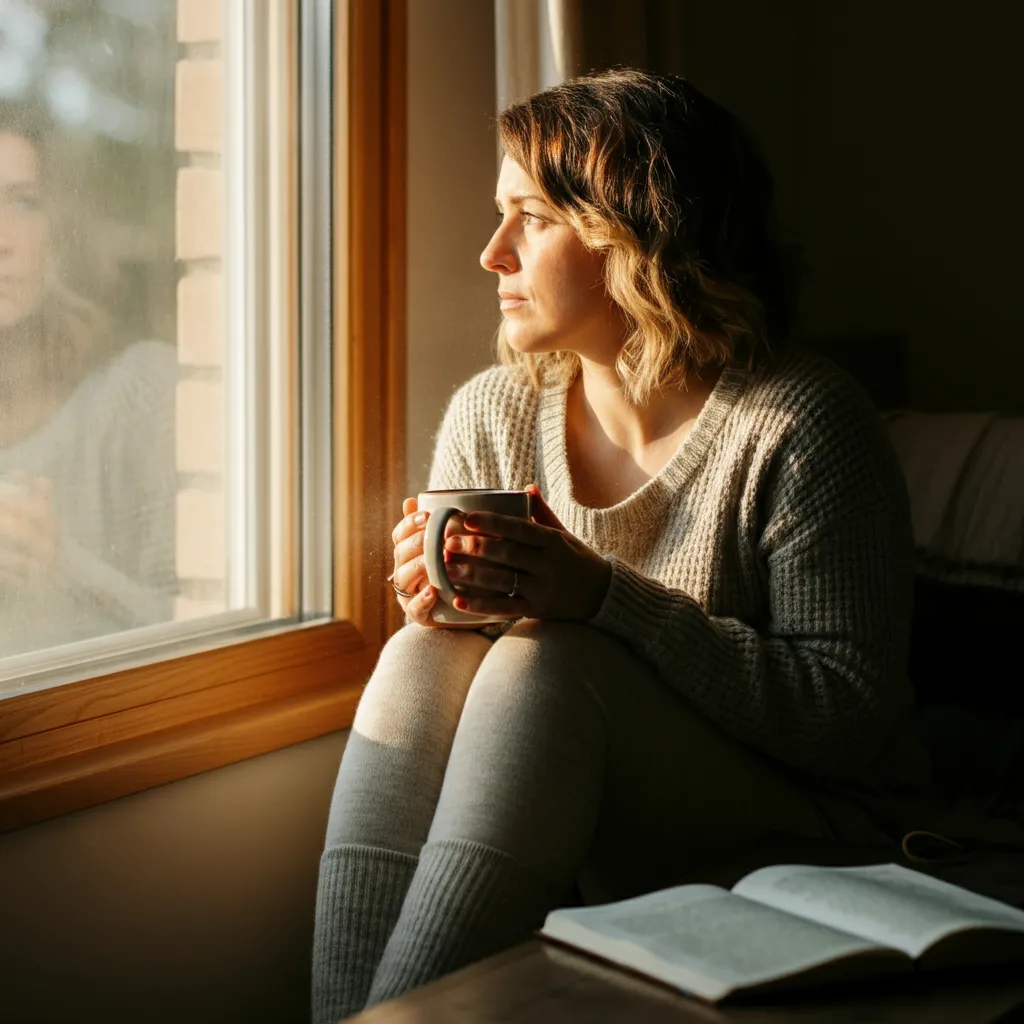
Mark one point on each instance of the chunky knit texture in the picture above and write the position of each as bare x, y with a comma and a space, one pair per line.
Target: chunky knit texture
765, 571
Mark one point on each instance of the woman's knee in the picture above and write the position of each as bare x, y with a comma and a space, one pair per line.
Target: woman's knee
539, 661
421, 673
541, 642
564, 648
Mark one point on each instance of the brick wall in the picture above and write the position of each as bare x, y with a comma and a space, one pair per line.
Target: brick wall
201, 540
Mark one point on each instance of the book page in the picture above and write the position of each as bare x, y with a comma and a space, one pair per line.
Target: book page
885, 903
702, 939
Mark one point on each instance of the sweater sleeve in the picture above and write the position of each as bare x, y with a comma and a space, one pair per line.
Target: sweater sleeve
465, 453
821, 682
450, 465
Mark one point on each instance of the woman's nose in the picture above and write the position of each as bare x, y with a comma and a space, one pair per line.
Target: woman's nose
499, 255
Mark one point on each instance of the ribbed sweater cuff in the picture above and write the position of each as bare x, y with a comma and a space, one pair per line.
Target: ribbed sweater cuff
638, 609
359, 899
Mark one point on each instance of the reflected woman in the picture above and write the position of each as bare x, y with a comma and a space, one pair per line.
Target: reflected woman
87, 477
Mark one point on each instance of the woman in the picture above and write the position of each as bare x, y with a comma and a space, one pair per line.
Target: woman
710, 608
87, 476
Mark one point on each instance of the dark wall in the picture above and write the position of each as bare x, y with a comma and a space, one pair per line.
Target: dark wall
894, 134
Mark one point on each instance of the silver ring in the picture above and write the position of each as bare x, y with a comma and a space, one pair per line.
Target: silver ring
515, 586
397, 589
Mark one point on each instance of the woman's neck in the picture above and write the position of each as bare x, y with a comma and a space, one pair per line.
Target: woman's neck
598, 404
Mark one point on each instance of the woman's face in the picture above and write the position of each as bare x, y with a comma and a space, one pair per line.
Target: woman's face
550, 285
24, 231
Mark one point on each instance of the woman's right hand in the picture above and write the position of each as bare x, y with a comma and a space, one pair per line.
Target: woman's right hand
28, 531
410, 572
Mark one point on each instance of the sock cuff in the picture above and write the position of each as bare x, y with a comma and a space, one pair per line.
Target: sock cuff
355, 856
474, 886
359, 882
359, 897
479, 868
466, 902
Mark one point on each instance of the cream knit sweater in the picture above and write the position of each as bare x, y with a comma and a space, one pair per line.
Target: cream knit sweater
765, 571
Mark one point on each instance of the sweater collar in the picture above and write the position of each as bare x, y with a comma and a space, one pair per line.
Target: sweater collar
637, 513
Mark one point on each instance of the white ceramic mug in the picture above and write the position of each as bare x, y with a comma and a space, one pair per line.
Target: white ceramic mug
442, 505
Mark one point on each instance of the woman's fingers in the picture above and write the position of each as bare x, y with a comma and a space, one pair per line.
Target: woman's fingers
490, 561
408, 525
418, 608
409, 534
410, 572
483, 554
411, 576
513, 528
508, 607
472, 572
493, 549
408, 549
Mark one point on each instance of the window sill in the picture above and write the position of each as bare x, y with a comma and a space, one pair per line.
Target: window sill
75, 746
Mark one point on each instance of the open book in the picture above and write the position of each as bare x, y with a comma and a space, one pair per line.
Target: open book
795, 925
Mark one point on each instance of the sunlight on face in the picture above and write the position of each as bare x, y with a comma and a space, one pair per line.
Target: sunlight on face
550, 285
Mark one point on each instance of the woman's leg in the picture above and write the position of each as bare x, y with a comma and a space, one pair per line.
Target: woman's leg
571, 753
383, 804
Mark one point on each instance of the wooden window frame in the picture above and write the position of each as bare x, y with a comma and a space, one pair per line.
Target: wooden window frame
76, 745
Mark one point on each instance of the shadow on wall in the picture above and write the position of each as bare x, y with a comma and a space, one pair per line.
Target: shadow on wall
887, 129
190, 902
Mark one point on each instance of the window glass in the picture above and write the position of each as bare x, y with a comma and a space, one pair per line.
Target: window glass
145, 411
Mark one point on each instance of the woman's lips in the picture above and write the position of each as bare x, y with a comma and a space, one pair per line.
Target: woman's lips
509, 300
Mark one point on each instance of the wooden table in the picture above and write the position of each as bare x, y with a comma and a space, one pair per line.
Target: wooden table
537, 983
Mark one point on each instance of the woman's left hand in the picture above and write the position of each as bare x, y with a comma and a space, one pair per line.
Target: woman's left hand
554, 575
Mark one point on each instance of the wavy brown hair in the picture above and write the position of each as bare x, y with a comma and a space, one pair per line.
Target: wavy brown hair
670, 187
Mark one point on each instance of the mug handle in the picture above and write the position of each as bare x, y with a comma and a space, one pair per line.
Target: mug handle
433, 551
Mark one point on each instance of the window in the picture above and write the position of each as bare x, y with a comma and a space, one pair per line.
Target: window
223, 480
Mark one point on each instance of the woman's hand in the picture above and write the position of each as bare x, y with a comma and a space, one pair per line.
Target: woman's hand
410, 573
28, 532
559, 577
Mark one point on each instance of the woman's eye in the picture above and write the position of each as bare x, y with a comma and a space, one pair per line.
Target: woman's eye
528, 217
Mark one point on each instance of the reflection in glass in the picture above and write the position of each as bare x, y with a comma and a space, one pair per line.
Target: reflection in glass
87, 446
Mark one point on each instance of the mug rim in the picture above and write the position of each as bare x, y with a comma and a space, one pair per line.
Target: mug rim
475, 490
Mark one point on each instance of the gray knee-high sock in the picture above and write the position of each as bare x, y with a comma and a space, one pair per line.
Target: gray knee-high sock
467, 901
359, 899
